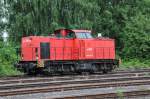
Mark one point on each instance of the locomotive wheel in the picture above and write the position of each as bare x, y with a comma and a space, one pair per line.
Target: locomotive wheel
30, 72
30, 69
85, 73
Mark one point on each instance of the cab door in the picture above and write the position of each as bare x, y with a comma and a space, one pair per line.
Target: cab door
45, 50
82, 48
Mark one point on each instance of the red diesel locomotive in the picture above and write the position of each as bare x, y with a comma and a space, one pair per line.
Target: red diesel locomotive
67, 51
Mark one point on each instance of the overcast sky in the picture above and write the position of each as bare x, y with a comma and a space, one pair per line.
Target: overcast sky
4, 20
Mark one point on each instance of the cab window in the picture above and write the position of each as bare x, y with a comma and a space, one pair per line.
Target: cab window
58, 35
88, 35
84, 35
70, 35
81, 35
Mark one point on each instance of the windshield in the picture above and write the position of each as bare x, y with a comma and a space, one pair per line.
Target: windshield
84, 35
58, 35
70, 35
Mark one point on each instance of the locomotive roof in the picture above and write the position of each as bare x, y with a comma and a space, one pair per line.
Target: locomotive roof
80, 30
38, 37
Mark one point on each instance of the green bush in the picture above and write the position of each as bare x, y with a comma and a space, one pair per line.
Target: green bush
8, 57
135, 63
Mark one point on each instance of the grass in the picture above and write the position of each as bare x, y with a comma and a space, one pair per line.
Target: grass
120, 93
8, 70
134, 64
8, 57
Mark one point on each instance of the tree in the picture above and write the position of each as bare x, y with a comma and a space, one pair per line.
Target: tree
127, 21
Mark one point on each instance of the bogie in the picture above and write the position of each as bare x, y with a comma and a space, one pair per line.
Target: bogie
69, 67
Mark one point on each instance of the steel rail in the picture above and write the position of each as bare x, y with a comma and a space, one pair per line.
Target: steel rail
78, 86
39, 79
110, 95
64, 76
77, 81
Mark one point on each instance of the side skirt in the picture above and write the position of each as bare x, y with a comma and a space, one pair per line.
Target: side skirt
65, 67
80, 66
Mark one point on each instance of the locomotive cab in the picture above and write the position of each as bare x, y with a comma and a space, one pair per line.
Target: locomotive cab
65, 33
79, 34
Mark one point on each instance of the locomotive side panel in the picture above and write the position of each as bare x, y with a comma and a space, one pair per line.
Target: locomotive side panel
96, 49
27, 49
109, 49
99, 50
105, 49
52, 49
58, 49
87, 49
62, 49
27, 54
68, 49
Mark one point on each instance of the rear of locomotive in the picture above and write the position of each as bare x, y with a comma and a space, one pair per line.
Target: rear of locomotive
32, 54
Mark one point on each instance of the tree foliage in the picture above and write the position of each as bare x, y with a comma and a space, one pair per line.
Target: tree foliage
1, 16
7, 58
127, 21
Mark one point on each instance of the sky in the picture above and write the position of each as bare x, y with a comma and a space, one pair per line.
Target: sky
4, 33
4, 20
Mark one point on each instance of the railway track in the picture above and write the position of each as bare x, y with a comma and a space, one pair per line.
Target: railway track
64, 76
31, 85
60, 83
25, 83
133, 93
22, 79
